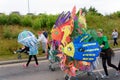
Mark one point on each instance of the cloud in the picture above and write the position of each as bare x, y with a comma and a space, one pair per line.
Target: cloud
57, 6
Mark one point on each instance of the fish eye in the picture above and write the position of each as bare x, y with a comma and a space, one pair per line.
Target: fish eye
69, 49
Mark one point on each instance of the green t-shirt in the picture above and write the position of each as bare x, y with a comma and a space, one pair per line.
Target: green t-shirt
101, 40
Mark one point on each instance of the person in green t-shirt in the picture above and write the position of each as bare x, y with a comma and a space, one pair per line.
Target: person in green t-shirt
106, 52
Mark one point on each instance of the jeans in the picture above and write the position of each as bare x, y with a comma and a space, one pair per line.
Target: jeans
115, 41
119, 65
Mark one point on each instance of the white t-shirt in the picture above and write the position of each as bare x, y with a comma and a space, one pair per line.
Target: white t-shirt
115, 34
42, 38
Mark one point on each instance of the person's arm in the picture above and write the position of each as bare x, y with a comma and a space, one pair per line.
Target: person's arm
103, 44
79, 31
117, 34
22, 49
40, 37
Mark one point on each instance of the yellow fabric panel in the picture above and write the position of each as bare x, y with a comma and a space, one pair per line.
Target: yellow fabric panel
69, 49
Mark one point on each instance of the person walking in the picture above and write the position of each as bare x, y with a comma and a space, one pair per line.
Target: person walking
106, 53
43, 39
115, 36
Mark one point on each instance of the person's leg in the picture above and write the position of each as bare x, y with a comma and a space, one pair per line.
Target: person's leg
116, 41
35, 59
30, 57
119, 66
104, 66
43, 47
110, 64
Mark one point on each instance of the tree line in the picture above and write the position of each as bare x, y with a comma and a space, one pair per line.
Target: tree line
93, 17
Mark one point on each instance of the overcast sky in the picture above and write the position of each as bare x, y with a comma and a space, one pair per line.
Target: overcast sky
57, 6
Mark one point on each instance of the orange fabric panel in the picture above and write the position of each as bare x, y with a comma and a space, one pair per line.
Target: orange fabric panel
57, 34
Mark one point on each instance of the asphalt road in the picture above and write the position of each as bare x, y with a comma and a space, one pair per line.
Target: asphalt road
42, 72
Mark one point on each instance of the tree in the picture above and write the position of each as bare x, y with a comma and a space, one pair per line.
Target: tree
26, 20
115, 15
93, 11
14, 18
3, 19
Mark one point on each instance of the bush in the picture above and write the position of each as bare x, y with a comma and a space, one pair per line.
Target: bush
7, 33
51, 21
14, 18
115, 15
26, 21
3, 19
43, 20
37, 23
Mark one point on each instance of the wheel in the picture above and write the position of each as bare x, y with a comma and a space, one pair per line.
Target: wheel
97, 78
66, 77
52, 68
19, 56
89, 73
88, 76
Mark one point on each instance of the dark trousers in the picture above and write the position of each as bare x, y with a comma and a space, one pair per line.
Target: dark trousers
107, 59
115, 41
119, 65
30, 57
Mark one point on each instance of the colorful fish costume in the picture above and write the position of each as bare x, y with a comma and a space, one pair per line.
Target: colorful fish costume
77, 43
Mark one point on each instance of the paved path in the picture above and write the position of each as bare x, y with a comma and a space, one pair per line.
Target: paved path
17, 72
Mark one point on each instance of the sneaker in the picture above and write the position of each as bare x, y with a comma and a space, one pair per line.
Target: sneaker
25, 66
47, 56
36, 65
104, 77
117, 73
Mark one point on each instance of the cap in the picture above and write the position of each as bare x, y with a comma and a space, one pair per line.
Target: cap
100, 30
